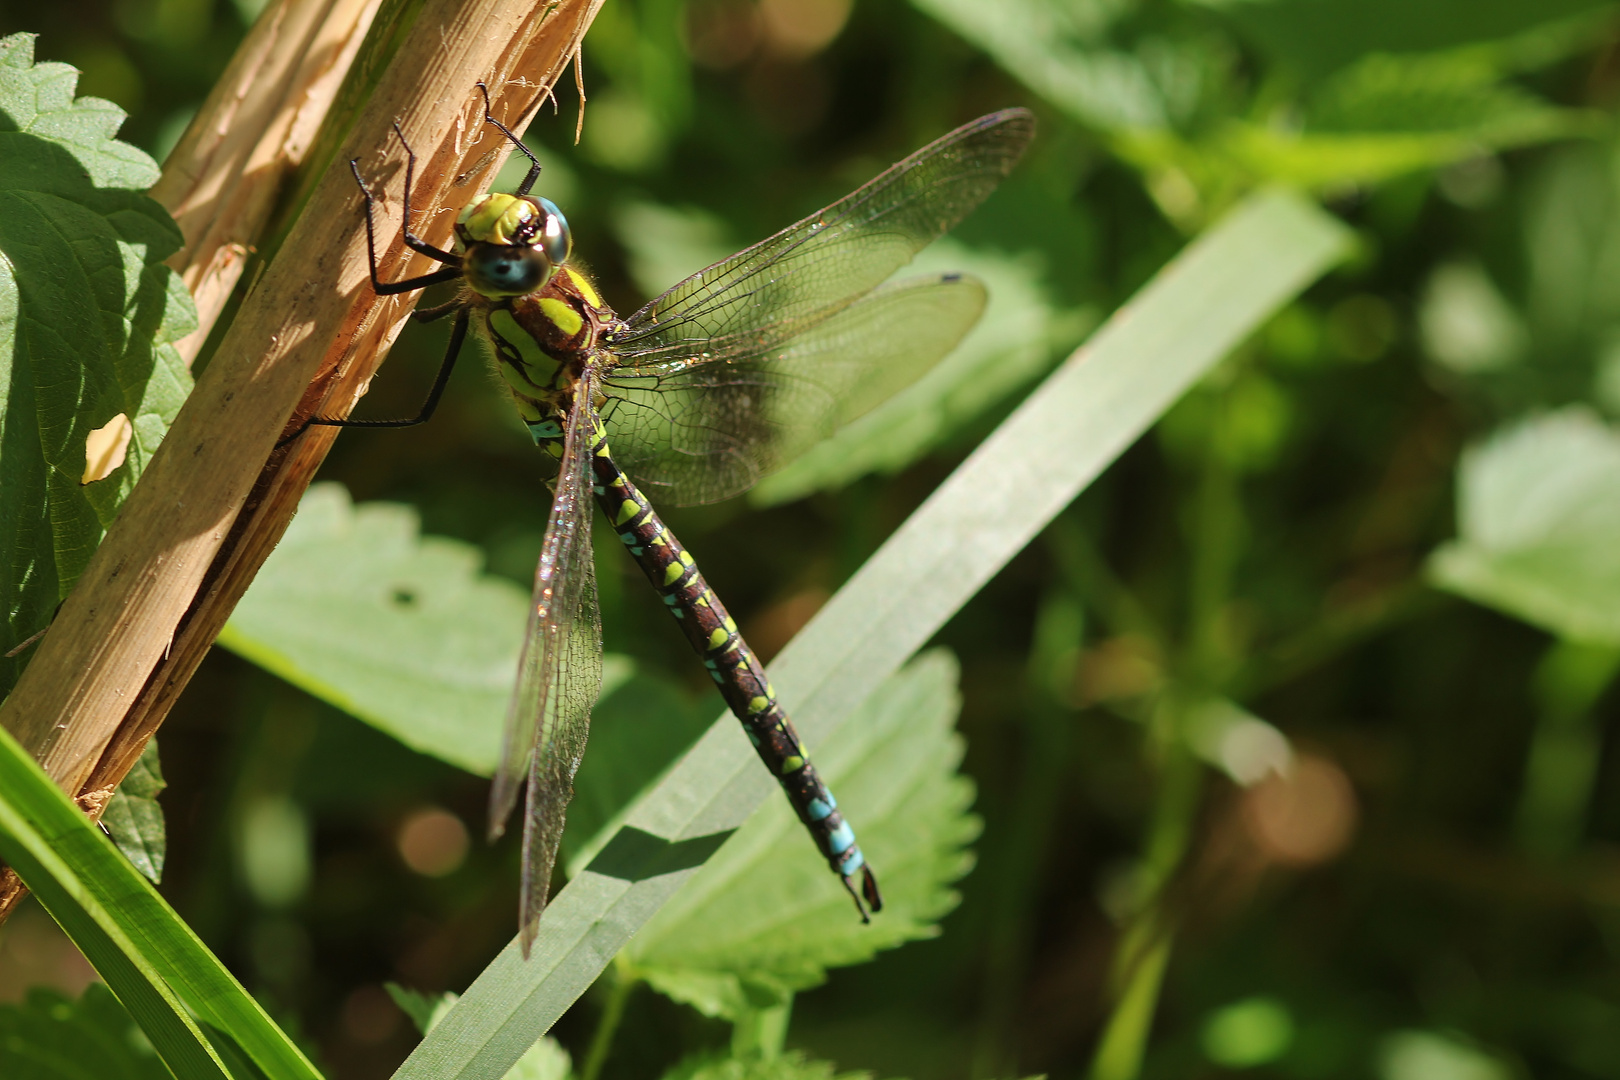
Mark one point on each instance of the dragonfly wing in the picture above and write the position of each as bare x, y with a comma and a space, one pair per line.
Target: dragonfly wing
784, 284
559, 676
699, 433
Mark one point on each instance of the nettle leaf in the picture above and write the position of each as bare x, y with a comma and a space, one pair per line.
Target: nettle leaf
52, 1037
792, 1065
1064, 52
1014, 343
1324, 35
1538, 513
89, 315
400, 630
134, 819
1449, 93
765, 918
1388, 115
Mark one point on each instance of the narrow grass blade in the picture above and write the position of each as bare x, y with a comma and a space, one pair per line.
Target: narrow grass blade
167, 979
1219, 290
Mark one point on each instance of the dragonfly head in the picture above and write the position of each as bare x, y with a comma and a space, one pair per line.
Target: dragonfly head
513, 243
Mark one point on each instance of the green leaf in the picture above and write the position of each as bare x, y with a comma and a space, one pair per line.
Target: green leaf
134, 819
1468, 326
1433, 1055
1378, 118
1444, 94
1538, 513
423, 1010
790, 1066
545, 1060
51, 1037
88, 320
199, 1019
399, 630
1386, 116
1013, 344
1324, 35
1217, 292
1061, 52
1571, 237
764, 919
1244, 1034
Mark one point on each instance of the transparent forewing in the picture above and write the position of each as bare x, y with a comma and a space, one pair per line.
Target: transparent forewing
559, 676
697, 433
783, 285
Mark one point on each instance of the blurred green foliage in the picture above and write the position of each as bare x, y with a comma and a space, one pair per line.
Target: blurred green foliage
1375, 553
50, 1035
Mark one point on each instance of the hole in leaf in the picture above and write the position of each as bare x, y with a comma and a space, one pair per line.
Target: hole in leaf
105, 447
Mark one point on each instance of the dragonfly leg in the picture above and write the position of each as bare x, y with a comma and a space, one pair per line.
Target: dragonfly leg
434, 314
381, 288
534, 162
412, 241
458, 336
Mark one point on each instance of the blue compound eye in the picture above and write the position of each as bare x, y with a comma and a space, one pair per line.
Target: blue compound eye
554, 238
507, 269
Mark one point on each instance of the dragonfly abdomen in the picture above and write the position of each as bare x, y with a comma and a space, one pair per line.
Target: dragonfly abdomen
735, 670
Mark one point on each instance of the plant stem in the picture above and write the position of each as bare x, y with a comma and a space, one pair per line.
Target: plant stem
1206, 662
759, 1033
1049, 727
1565, 747
1119, 1053
623, 980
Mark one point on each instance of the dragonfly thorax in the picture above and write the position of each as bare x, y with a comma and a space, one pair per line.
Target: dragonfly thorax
543, 340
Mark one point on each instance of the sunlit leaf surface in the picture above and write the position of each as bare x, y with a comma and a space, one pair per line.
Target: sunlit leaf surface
403, 631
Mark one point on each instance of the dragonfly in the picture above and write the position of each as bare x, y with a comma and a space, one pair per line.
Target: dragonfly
725, 377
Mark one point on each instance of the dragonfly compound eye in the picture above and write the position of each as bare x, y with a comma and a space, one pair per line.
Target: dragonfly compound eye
554, 237
507, 269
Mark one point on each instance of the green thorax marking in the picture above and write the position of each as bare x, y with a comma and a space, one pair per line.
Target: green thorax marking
543, 341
